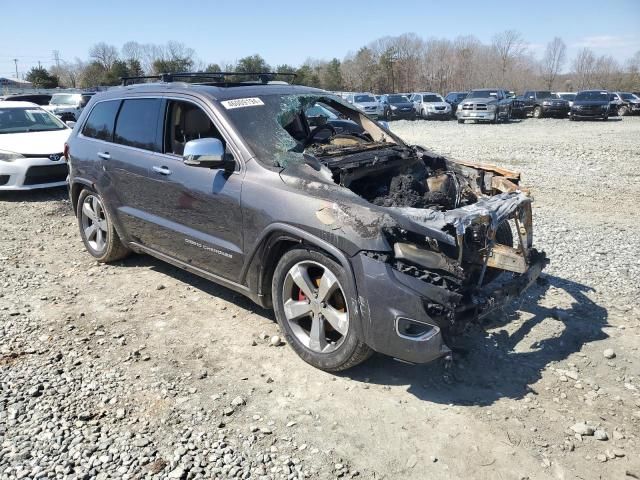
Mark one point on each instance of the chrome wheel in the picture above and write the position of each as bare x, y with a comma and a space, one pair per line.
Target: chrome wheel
94, 223
315, 307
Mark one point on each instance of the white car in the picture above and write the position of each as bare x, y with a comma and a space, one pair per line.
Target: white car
31, 147
68, 106
430, 105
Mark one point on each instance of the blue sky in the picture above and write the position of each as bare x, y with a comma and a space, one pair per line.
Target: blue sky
291, 31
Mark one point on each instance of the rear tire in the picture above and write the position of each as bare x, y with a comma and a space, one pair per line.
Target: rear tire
96, 229
319, 326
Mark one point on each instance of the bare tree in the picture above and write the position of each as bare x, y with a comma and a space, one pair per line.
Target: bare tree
607, 73
465, 57
132, 51
553, 61
69, 73
583, 67
633, 73
507, 45
104, 54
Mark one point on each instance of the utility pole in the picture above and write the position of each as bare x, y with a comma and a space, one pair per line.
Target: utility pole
15, 60
56, 58
39, 65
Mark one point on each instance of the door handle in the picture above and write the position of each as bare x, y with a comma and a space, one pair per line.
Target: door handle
104, 155
163, 170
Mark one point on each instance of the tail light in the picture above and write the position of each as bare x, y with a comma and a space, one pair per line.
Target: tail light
65, 152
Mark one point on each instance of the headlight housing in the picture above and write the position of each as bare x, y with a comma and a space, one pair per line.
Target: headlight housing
546, 103
6, 156
393, 107
491, 107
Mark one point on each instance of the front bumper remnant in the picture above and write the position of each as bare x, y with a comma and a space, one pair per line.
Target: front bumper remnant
388, 296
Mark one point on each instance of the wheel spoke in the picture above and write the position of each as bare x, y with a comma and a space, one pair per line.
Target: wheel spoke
294, 309
338, 320
102, 224
317, 338
90, 232
99, 238
97, 208
300, 276
328, 284
88, 211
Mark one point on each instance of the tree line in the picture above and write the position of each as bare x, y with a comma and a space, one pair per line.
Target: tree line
403, 63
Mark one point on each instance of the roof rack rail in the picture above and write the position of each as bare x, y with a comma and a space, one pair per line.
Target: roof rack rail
218, 77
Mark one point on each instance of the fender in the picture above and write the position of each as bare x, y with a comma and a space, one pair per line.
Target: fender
94, 186
289, 232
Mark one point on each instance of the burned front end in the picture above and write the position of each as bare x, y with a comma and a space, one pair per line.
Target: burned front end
433, 243
461, 245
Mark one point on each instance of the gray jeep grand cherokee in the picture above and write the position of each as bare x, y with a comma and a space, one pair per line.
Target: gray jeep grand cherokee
358, 241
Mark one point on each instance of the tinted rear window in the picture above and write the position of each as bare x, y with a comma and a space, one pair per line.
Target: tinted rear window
101, 120
137, 124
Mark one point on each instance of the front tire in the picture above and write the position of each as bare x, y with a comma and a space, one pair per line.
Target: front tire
96, 229
622, 111
537, 112
310, 294
460, 120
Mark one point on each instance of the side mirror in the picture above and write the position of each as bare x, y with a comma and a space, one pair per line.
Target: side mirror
70, 123
207, 153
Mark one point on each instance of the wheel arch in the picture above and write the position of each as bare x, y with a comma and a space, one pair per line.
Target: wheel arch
274, 241
76, 187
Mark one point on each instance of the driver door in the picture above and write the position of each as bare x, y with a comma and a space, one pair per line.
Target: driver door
197, 209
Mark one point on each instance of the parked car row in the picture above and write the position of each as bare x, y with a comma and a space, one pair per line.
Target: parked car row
495, 105
67, 106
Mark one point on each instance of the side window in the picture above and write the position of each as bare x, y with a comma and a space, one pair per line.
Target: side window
137, 123
101, 121
185, 121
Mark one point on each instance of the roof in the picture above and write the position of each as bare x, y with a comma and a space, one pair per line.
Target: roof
212, 91
10, 104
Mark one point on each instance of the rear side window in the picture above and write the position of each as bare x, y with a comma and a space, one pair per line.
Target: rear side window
137, 124
101, 121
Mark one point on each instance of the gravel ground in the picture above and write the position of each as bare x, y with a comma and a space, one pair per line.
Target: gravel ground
138, 369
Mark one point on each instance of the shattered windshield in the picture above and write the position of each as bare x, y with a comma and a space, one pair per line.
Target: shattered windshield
280, 129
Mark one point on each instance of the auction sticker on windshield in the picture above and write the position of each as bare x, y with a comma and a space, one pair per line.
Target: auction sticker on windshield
242, 102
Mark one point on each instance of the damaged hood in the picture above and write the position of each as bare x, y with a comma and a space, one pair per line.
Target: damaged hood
495, 209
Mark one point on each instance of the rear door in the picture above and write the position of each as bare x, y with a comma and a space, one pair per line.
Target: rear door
127, 161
